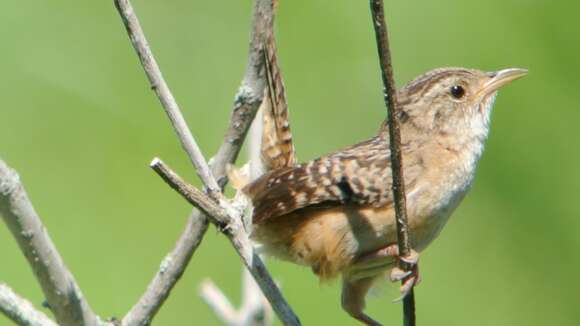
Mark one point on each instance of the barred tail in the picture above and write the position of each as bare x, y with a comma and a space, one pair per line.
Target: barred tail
277, 147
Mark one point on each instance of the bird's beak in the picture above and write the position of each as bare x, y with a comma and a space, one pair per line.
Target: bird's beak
500, 78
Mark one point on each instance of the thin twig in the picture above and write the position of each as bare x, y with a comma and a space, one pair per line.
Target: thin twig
59, 286
246, 103
237, 236
170, 271
390, 97
165, 96
251, 91
194, 196
20, 310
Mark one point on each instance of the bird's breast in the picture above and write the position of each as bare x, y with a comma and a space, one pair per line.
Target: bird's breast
445, 182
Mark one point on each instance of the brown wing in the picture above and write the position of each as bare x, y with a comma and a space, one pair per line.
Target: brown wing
359, 175
277, 147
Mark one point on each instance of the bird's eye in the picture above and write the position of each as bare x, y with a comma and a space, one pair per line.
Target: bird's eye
457, 91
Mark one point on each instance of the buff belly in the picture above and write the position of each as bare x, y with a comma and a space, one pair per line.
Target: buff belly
329, 239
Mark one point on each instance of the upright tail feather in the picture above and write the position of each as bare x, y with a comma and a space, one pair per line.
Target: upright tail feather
277, 147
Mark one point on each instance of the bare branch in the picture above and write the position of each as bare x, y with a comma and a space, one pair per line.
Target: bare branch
60, 288
251, 92
170, 271
20, 310
224, 212
247, 101
390, 97
235, 232
165, 96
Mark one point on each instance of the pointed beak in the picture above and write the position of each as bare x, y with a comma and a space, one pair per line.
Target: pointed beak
500, 78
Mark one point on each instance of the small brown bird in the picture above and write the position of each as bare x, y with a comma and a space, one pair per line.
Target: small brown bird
335, 213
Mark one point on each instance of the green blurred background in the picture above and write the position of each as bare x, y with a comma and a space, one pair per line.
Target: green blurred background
80, 124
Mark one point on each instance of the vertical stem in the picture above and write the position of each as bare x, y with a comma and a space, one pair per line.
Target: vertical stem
390, 97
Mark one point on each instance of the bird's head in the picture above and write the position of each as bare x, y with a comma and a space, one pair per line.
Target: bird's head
453, 102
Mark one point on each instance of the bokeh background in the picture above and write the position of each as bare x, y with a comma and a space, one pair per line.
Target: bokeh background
79, 123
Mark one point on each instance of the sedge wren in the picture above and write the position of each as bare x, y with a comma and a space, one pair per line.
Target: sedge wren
335, 214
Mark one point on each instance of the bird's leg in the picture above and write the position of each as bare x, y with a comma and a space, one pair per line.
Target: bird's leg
353, 299
372, 264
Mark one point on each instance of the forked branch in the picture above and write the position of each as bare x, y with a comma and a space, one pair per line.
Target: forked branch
246, 103
220, 211
63, 295
234, 230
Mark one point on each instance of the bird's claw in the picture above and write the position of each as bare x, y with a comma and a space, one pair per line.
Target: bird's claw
412, 258
397, 274
410, 277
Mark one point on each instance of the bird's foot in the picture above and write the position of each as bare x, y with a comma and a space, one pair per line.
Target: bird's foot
376, 262
409, 278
